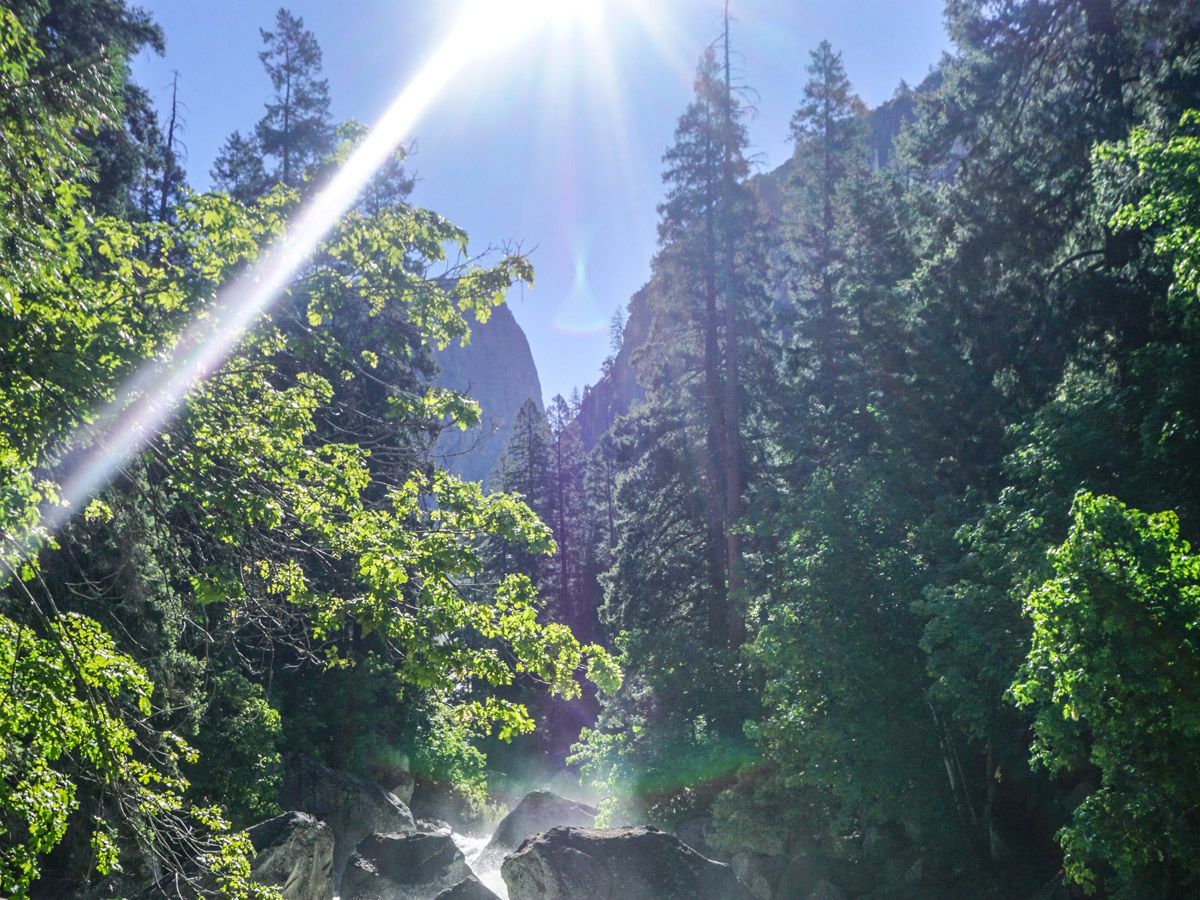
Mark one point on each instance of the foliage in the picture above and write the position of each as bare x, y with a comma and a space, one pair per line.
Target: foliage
1111, 679
982, 302
1169, 174
877, 387
285, 520
238, 739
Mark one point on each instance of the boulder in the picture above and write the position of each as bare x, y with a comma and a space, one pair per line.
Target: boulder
353, 807
434, 801
393, 770
470, 889
760, 872
697, 833
412, 866
294, 853
826, 890
616, 864
402, 786
538, 812
425, 826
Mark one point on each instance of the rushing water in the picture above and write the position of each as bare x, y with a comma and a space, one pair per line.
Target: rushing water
486, 866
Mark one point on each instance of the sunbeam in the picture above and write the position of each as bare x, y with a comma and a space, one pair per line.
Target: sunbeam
482, 30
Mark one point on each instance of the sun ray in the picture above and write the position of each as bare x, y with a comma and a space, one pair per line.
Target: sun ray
148, 401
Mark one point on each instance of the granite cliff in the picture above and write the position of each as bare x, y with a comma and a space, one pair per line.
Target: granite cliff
496, 369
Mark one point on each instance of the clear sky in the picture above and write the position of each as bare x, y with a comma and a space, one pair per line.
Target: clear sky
556, 144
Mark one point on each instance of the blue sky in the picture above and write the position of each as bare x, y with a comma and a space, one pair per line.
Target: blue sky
557, 143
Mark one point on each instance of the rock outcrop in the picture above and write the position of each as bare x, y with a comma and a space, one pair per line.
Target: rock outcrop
294, 853
351, 806
412, 866
538, 812
616, 864
496, 369
618, 389
470, 889
759, 872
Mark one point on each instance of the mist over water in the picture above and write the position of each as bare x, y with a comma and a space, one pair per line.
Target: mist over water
486, 866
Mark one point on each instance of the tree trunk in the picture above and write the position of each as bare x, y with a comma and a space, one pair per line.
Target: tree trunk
714, 408
734, 488
168, 174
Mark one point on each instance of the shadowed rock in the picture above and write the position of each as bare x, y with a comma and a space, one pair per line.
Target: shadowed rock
470, 889
294, 852
403, 867
538, 812
616, 864
826, 891
352, 807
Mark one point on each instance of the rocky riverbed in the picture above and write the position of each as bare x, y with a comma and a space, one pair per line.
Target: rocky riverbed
350, 839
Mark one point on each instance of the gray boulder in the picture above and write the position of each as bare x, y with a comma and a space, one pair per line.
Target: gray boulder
294, 852
826, 890
411, 866
402, 786
759, 872
616, 864
470, 889
353, 807
538, 812
439, 802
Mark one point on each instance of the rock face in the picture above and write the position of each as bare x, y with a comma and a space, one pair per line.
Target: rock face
538, 812
497, 371
352, 807
618, 389
295, 854
403, 867
616, 864
470, 889
759, 872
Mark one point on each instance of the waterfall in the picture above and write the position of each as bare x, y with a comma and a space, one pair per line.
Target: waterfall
486, 866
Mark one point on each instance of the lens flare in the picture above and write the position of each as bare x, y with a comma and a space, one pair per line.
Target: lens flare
579, 314
149, 399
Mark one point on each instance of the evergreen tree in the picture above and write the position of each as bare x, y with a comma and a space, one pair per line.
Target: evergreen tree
238, 169
829, 132
296, 130
670, 480
707, 282
296, 133
525, 469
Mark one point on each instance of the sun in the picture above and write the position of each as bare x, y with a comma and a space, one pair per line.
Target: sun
487, 32
486, 26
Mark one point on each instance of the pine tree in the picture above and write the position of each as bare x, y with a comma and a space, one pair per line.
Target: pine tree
829, 133
525, 469
296, 129
668, 483
238, 169
705, 225
568, 517
296, 133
